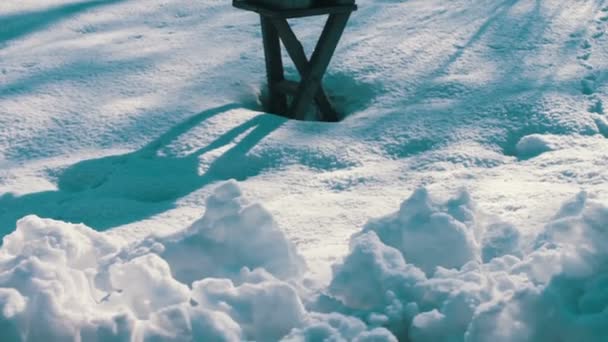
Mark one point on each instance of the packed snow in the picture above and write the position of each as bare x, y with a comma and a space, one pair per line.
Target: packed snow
146, 196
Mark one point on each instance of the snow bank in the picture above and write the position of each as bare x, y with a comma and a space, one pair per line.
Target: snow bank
431, 234
231, 235
533, 145
229, 277
555, 291
59, 281
433, 271
337, 327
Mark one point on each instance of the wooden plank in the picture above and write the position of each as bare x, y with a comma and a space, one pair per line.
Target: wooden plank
293, 13
319, 62
287, 87
284, 4
296, 52
277, 101
291, 88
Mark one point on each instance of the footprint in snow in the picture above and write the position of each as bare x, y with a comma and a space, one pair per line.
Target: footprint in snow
597, 107
585, 56
586, 44
602, 126
588, 85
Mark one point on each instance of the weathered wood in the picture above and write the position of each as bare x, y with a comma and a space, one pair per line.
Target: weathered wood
318, 64
288, 87
293, 13
284, 4
277, 101
275, 29
296, 52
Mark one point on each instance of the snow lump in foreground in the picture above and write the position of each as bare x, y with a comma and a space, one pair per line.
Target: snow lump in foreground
233, 276
229, 277
217, 280
231, 235
555, 290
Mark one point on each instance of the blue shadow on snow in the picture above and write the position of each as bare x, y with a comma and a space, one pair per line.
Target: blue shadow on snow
121, 189
21, 24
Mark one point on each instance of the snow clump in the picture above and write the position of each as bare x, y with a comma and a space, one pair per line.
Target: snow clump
231, 276
59, 281
553, 291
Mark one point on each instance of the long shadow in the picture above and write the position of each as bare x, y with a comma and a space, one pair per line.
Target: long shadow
513, 93
499, 12
122, 189
76, 70
22, 24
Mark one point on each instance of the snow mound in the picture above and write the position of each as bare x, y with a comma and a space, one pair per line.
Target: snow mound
431, 234
370, 272
231, 235
337, 327
553, 291
533, 145
61, 281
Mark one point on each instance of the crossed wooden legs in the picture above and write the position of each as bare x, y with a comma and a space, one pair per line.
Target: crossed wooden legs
311, 72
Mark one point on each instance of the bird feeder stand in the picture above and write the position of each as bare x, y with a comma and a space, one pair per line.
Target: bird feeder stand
275, 28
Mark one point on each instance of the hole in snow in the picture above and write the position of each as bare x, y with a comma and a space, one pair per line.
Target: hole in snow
348, 94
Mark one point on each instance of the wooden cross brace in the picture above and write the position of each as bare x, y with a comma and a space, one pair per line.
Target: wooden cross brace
275, 28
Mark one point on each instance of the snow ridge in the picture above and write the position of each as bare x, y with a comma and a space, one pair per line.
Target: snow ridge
233, 275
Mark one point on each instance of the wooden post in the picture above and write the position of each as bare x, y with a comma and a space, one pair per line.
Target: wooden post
277, 101
318, 64
298, 56
275, 29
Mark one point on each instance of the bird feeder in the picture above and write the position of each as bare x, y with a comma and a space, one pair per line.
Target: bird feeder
275, 28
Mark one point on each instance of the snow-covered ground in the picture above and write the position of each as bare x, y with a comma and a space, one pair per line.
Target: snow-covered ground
463, 197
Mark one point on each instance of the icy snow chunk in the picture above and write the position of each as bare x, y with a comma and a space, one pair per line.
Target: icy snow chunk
76, 283
12, 305
54, 241
266, 310
11, 302
52, 266
145, 284
554, 291
372, 273
431, 234
533, 145
428, 326
231, 235
186, 323
500, 239
337, 327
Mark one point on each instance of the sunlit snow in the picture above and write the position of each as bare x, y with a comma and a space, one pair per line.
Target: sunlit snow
146, 196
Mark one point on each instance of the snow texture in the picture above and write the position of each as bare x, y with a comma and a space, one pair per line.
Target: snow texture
121, 119
63, 281
552, 292
72, 281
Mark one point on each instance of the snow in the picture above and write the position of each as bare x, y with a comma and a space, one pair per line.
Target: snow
231, 235
62, 280
429, 235
550, 292
73, 281
144, 194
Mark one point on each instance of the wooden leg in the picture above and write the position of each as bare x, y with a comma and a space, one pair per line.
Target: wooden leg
277, 101
297, 54
319, 62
